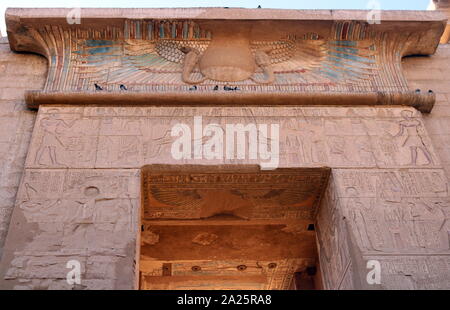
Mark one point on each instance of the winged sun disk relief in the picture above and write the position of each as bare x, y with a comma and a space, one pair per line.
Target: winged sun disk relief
354, 60
269, 56
240, 65
233, 201
259, 61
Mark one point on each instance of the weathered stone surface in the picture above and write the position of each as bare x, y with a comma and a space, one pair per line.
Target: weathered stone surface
89, 137
79, 197
389, 198
427, 272
18, 73
319, 58
333, 242
437, 123
84, 215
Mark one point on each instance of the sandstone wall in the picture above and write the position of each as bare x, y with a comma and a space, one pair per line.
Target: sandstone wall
18, 73
432, 72
79, 198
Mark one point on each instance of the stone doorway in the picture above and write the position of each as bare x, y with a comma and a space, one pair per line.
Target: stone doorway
229, 227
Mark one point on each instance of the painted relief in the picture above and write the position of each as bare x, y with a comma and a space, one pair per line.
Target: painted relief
357, 176
226, 227
185, 55
280, 194
227, 56
223, 275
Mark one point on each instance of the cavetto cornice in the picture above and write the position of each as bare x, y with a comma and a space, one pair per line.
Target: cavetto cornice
225, 56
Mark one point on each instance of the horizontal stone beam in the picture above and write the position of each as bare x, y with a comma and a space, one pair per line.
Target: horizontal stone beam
222, 14
423, 102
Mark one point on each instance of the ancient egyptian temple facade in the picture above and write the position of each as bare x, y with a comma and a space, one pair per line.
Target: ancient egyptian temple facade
216, 148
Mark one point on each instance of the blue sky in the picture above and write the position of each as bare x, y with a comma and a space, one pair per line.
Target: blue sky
282, 4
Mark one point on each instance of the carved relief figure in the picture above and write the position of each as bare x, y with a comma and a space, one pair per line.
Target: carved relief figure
36, 208
364, 151
209, 202
128, 149
159, 140
429, 224
51, 141
409, 130
366, 220
389, 187
314, 143
85, 213
292, 149
338, 149
388, 148
40, 197
331, 230
397, 220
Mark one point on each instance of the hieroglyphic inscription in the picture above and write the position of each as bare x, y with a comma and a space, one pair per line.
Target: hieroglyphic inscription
309, 137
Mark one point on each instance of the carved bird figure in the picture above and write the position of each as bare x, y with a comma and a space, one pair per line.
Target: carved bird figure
229, 54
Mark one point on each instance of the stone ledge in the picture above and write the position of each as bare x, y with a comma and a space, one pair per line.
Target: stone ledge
223, 14
423, 102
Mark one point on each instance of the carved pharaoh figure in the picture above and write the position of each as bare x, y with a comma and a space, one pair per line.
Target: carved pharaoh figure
51, 127
412, 139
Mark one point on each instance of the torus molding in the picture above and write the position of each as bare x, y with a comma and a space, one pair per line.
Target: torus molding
226, 56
